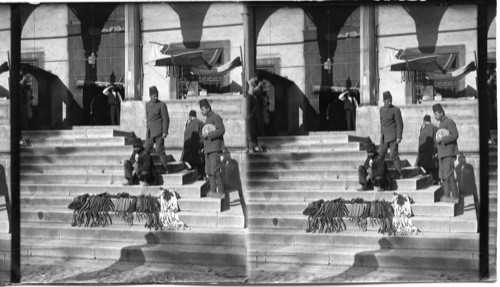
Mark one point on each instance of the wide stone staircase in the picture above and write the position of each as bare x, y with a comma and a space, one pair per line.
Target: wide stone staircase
57, 166
297, 170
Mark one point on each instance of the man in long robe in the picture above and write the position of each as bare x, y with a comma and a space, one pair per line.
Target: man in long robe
193, 144
426, 157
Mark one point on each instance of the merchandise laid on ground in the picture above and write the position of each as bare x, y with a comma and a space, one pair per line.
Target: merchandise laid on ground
300, 170
57, 167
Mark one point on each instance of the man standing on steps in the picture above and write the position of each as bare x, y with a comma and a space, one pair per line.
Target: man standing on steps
213, 146
391, 131
157, 125
426, 157
447, 149
140, 166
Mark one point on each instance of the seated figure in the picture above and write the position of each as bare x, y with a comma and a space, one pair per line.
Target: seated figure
374, 172
140, 166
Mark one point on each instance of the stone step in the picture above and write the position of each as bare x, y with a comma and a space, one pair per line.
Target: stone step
231, 218
340, 164
148, 251
366, 239
318, 138
92, 128
310, 147
90, 168
171, 179
193, 190
72, 142
424, 223
135, 234
61, 202
304, 183
105, 132
293, 207
426, 195
356, 156
365, 257
318, 174
123, 150
97, 157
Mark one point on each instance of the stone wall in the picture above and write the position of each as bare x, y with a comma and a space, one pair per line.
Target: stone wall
457, 27
44, 36
161, 23
230, 108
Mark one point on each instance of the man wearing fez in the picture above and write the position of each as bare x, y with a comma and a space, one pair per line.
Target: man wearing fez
391, 130
213, 146
157, 125
140, 166
193, 144
426, 157
374, 171
447, 150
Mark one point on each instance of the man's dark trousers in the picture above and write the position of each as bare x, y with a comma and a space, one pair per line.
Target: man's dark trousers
160, 148
143, 176
447, 176
351, 119
377, 181
212, 169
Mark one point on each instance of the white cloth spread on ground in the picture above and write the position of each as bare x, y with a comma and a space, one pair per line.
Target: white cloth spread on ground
169, 208
402, 213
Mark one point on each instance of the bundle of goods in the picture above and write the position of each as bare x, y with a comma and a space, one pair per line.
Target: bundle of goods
125, 207
208, 128
148, 208
359, 212
158, 211
327, 216
92, 210
168, 210
441, 133
402, 213
392, 217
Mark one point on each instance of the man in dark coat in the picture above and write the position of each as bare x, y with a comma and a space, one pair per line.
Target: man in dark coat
374, 172
193, 144
157, 125
213, 146
253, 99
140, 166
447, 149
426, 157
391, 131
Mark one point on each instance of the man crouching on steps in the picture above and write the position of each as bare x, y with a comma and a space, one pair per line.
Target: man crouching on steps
374, 172
139, 167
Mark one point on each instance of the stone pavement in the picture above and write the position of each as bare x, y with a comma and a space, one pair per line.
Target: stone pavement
45, 271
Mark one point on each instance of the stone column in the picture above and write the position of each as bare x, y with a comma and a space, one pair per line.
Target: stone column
368, 56
250, 42
132, 52
15, 135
